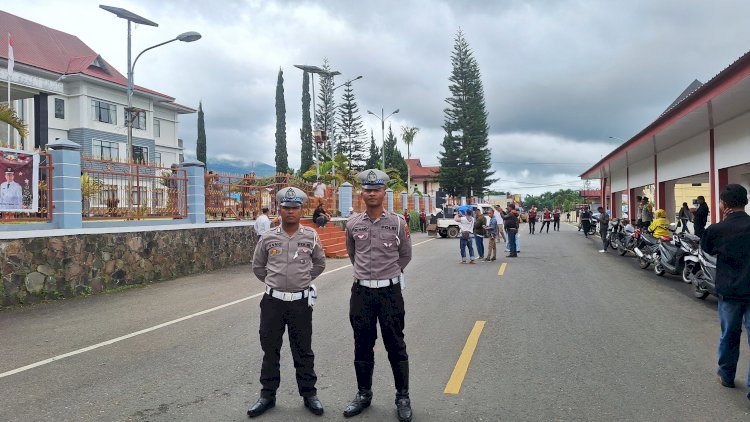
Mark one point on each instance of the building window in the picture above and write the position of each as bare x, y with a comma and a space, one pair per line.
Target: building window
104, 112
59, 108
105, 150
139, 119
157, 128
182, 158
140, 154
157, 159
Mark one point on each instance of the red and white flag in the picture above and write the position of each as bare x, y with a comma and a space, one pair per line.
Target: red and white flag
11, 61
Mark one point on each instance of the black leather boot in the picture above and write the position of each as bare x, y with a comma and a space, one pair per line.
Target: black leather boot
401, 380
364, 389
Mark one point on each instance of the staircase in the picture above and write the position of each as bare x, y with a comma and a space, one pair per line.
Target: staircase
331, 237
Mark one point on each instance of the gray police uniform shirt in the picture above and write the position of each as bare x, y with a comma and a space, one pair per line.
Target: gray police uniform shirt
11, 195
289, 263
380, 249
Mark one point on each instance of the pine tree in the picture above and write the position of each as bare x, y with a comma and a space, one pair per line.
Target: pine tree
325, 115
282, 163
393, 157
374, 157
201, 143
465, 159
305, 133
353, 144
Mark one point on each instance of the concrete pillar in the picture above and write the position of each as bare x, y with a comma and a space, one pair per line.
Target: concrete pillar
66, 184
196, 191
404, 202
389, 196
426, 204
463, 200
345, 198
416, 202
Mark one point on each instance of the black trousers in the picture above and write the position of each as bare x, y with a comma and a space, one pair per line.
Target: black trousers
367, 308
422, 225
532, 225
275, 316
556, 225
544, 223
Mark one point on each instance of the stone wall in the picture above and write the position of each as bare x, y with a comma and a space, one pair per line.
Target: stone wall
40, 268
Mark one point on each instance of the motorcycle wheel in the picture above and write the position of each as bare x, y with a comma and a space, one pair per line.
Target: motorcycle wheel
699, 293
643, 263
687, 272
623, 251
659, 269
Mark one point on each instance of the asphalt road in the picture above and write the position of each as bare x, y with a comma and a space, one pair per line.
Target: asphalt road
569, 334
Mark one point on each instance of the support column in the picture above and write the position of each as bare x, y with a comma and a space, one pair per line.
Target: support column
66, 184
426, 204
41, 121
714, 207
389, 197
345, 198
196, 191
404, 201
416, 202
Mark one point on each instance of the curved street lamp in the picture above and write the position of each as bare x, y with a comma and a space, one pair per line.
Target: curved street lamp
382, 130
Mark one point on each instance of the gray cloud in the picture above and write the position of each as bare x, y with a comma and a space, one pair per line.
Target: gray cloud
565, 73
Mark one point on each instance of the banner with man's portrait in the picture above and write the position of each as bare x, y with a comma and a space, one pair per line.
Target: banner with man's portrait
19, 190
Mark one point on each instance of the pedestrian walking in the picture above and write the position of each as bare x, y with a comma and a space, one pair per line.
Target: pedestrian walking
480, 222
510, 220
568, 215
647, 212
603, 225
492, 231
729, 240
466, 230
684, 215
546, 219
556, 219
422, 221
586, 221
639, 211
532, 219
379, 246
700, 218
287, 259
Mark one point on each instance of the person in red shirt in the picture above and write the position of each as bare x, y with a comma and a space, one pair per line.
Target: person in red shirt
422, 221
532, 219
546, 219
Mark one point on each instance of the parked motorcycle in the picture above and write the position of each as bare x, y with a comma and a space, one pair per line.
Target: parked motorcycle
690, 244
647, 249
703, 274
627, 239
671, 254
615, 234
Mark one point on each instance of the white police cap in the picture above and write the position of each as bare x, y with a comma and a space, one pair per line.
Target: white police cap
291, 197
373, 179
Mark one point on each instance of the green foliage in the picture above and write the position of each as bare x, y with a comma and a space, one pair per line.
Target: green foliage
413, 221
393, 157
282, 163
306, 158
565, 199
407, 134
396, 182
465, 159
352, 142
8, 115
201, 143
325, 115
344, 172
373, 161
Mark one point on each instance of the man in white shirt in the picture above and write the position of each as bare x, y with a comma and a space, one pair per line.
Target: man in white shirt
11, 194
319, 189
466, 228
262, 223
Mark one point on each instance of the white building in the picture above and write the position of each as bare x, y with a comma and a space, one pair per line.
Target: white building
63, 89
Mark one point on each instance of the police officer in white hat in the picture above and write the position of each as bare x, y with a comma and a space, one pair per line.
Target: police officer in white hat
287, 259
11, 194
379, 245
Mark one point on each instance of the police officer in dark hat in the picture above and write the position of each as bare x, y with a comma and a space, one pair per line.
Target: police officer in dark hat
287, 259
379, 245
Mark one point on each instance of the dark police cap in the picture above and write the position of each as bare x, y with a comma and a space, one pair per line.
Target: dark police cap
291, 197
373, 179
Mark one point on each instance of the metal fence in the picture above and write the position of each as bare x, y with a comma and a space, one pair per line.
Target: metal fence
113, 190
44, 213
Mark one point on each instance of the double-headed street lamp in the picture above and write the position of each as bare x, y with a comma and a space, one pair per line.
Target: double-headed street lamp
382, 130
133, 113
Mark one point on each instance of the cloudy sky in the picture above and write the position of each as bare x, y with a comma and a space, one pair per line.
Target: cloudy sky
560, 76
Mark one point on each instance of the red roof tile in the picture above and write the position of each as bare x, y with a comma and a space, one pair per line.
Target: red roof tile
418, 172
48, 49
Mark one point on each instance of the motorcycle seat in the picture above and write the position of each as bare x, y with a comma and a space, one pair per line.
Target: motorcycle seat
665, 238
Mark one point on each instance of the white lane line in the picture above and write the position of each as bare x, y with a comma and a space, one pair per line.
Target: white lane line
148, 330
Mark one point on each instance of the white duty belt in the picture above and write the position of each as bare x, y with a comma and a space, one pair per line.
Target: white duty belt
286, 296
377, 284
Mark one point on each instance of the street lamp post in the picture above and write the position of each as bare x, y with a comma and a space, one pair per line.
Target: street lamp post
130, 115
382, 130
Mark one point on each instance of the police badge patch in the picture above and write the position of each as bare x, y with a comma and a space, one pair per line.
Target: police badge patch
372, 177
275, 251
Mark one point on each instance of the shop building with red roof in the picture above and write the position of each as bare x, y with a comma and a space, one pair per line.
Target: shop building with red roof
63, 89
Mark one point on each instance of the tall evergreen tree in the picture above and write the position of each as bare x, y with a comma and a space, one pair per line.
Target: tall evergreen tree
325, 115
374, 157
305, 133
393, 157
353, 143
465, 159
200, 149
282, 159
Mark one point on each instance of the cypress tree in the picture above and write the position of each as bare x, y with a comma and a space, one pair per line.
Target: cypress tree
465, 159
282, 163
393, 157
305, 133
352, 144
374, 157
325, 115
200, 149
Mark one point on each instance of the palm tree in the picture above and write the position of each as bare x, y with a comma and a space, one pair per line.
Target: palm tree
9, 116
407, 134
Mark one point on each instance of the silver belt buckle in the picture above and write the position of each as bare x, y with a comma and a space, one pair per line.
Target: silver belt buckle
287, 297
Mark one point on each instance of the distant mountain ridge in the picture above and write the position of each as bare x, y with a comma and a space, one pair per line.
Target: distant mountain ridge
239, 167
